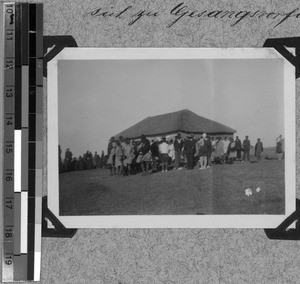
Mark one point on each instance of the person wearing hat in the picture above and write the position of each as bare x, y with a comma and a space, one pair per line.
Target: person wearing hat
189, 152
178, 146
246, 147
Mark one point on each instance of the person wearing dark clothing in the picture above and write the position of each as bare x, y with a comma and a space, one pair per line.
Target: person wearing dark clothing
68, 160
189, 152
80, 164
154, 155
258, 149
89, 160
238, 147
178, 146
209, 151
74, 164
144, 155
246, 147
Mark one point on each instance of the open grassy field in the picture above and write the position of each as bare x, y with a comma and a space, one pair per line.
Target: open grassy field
218, 190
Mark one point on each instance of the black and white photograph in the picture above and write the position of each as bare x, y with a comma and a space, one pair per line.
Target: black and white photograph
179, 138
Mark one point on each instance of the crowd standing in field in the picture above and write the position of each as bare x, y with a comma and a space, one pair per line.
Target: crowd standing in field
86, 161
127, 157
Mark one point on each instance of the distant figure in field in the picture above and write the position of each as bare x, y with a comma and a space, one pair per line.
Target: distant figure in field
189, 152
95, 158
68, 160
178, 146
231, 152
80, 164
246, 147
225, 148
164, 154
144, 156
89, 160
238, 147
154, 149
279, 148
258, 149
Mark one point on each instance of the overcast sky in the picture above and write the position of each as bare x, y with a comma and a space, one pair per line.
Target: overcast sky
99, 99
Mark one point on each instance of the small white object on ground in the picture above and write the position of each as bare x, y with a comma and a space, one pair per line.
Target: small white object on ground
248, 191
258, 189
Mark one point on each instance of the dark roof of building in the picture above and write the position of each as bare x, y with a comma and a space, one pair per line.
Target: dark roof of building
180, 121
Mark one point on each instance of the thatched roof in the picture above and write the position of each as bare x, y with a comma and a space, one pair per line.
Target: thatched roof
180, 121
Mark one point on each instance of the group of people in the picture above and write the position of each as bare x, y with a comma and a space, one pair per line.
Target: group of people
87, 161
126, 157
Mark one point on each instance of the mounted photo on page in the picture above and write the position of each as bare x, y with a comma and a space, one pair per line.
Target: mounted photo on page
171, 138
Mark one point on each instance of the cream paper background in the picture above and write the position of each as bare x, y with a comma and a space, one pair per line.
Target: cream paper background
170, 255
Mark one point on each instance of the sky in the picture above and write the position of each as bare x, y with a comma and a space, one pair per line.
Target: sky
100, 98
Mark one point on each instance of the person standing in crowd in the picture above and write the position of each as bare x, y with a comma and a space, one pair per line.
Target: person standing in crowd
213, 149
144, 155
231, 153
80, 163
195, 158
171, 151
119, 158
74, 164
154, 149
238, 147
128, 156
178, 146
219, 151
68, 160
225, 149
112, 156
110, 145
258, 149
202, 151
89, 160
164, 154
96, 156
209, 151
246, 147
189, 152
279, 152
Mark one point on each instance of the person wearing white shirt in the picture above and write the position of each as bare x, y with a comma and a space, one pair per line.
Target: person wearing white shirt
164, 154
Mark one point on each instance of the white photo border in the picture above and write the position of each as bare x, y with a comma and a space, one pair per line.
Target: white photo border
170, 221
